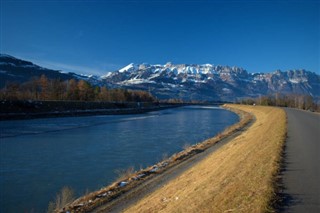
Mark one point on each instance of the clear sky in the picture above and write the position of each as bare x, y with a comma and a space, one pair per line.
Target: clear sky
96, 36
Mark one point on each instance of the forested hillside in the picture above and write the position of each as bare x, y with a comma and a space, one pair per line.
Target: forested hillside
72, 90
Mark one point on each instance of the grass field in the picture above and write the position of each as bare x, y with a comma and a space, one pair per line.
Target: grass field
239, 177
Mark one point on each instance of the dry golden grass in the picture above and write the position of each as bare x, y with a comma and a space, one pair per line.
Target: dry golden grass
103, 197
239, 177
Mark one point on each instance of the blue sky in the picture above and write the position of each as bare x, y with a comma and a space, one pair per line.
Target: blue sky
99, 36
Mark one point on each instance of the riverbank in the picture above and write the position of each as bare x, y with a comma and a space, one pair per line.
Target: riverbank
134, 182
241, 176
10, 110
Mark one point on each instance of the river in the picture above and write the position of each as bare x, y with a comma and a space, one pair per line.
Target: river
40, 156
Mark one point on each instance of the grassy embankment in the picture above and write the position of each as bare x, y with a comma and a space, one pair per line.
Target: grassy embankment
135, 181
239, 177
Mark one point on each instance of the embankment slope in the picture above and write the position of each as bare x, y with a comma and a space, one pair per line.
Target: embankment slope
239, 177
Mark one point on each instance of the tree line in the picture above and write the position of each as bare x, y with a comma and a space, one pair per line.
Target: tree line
305, 102
44, 89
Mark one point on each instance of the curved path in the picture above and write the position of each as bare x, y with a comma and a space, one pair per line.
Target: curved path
301, 178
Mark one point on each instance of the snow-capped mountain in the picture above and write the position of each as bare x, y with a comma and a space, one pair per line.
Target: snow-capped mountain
211, 82
184, 81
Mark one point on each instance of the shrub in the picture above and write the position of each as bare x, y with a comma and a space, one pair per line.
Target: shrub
124, 173
65, 196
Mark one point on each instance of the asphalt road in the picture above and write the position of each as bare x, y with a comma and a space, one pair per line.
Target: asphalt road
301, 175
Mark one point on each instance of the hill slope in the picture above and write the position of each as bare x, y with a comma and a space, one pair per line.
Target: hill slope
14, 70
182, 81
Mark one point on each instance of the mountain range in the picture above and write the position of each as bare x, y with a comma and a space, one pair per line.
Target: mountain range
180, 81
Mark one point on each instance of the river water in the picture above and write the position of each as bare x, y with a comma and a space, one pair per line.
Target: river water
40, 156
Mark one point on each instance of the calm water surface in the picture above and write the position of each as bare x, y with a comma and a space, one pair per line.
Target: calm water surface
39, 157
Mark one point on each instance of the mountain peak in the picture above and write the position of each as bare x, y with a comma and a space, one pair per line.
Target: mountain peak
8, 59
185, 81
128, 68
208, 81
6, 56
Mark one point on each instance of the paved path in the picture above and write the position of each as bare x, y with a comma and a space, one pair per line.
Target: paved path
301, 176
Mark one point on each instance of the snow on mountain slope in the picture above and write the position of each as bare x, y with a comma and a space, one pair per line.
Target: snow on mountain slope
185, 81
208, 81
128, 68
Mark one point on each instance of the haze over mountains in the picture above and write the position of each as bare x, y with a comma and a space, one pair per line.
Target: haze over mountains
179, 81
